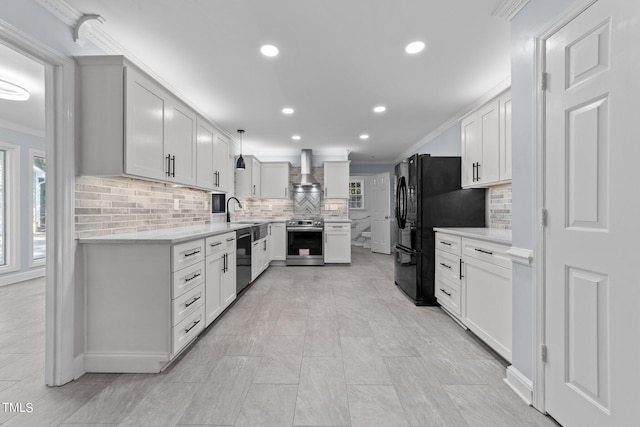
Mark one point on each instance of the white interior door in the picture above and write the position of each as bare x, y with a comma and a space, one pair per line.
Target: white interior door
591, 280
380, 215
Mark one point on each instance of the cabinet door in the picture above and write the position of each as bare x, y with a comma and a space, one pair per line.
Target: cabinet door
337, 246
144, 128
228, 284
256, 189
505, 137
471, 149
336, 180
255, 260
205, 174
221, 163
487, 303
274, 180
488, 170
243, 178
179, 142
265, 253
278, 244
213, 296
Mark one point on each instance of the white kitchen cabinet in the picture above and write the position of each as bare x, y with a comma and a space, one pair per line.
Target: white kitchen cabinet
259, 257
274, 180
486, 144
212, 161
278, 241
220, 290
337, 242
132, 126
221, 163
336, 180
473, 284
248, 180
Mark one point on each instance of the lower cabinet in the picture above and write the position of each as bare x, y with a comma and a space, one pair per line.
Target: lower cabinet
277, 241
220, 285
259, 257
337, 242
473, 284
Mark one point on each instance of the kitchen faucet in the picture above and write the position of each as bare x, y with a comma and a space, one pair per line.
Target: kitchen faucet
229, 213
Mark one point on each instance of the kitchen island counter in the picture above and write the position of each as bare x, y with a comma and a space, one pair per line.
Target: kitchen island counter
168, 235
496, 235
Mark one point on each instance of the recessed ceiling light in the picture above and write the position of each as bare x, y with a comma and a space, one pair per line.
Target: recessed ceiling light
364, 136
12, 91
287, 110
296, 137
269, 50
414, 47
380, 109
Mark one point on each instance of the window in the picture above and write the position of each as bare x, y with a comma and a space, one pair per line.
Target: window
356, 193
39, 203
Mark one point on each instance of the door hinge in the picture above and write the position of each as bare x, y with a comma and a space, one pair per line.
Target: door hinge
544, 80
543, 217
543, 353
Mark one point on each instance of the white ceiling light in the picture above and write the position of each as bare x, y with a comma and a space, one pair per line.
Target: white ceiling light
364, 136
287, 110
12, 91
269, 50
414, 47
380, 109
296, 137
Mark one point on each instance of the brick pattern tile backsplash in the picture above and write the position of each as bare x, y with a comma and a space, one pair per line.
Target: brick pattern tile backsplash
500, 207
117, 205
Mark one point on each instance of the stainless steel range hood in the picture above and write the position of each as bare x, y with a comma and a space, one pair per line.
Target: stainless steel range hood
306, 180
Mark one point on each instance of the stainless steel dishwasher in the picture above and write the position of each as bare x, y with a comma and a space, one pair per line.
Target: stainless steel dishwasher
243, 258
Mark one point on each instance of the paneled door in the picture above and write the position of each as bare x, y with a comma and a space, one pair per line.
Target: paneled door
380, 215
592, 290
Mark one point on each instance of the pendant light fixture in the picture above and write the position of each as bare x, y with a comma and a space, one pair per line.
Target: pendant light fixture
240, 161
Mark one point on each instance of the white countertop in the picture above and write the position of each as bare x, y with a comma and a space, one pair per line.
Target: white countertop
483, 233
169, 235
337, 220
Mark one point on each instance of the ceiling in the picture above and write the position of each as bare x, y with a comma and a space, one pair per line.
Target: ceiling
338, 59
23, 116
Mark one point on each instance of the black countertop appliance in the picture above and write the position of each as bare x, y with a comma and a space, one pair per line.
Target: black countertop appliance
428, 194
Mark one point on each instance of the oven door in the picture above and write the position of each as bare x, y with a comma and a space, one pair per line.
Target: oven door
305, 246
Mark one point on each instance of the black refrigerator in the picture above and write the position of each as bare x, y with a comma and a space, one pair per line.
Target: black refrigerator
428, 194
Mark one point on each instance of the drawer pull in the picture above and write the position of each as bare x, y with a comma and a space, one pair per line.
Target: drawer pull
192, 253
231, 239
461, 276
445, 292
445, 243
192, 277
191, 327
213, 245
190, 303
483, 251
445, 265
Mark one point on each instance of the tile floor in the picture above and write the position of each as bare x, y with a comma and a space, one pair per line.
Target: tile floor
303, 346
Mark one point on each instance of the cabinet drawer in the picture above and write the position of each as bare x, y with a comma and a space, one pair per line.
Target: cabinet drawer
493, 253
187, 303
448, 243
447, 265
219, 243
187, 279
186, 254
337, 226
188, 329
448, 295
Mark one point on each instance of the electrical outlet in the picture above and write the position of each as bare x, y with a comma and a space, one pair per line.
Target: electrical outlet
176, 204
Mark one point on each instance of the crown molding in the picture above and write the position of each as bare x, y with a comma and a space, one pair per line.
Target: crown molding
69, 16
509, 8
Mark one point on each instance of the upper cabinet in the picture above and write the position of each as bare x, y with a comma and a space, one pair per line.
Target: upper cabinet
212, 158
248, 180
274, 180
336, 180
130, 125
486, 144
221, 163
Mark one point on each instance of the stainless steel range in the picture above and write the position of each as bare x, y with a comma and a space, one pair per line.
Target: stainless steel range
305, 241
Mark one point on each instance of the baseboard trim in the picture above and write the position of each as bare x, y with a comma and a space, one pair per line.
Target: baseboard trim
125, 363
520, 384
10, 279
78, 366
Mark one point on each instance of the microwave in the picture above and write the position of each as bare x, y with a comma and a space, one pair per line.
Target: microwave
217, 203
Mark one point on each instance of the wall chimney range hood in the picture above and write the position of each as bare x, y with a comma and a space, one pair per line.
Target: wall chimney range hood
306, 182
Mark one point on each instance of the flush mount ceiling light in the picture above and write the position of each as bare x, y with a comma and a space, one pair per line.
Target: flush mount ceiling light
269, 50
364, 136
13, 92
414, 47
380, 109
296, 137
287, 110
240, 162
